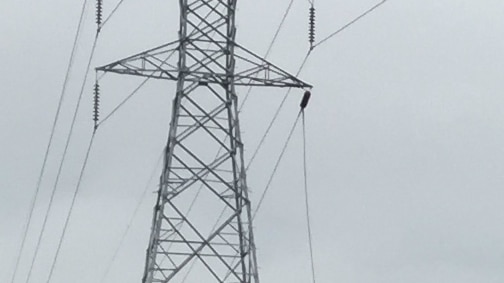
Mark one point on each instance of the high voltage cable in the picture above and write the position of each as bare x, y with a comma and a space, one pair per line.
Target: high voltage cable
277, 164
49, 145
111, 14
254, 155
270, 47
301, 67
133, 216
350, 23
69, 215
124, 101
277, 112
85, 160
307, 203
60, 168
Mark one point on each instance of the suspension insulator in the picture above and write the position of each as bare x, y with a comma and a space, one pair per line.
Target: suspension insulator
96, 108
99, 12
305, 100
311, 34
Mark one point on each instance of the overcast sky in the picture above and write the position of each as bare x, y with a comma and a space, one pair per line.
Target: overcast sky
405, 140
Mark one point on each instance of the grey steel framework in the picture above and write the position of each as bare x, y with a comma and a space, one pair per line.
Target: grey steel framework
202, 224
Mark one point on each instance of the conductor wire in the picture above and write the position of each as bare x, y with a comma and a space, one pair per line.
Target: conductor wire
277, 113
277, 164
51, 137
74, 119
367, 12
110, 15
270, 47
74, 198
132, 218
307, 202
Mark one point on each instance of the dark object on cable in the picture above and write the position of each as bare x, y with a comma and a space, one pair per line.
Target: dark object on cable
306, 98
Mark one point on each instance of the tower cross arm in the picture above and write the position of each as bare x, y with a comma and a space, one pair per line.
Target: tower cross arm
160, 63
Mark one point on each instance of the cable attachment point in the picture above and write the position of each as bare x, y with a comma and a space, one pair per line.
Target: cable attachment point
311, 34
305, 100
99, 13
96, 109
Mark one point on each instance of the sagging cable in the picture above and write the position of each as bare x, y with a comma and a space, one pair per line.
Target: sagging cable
304, 103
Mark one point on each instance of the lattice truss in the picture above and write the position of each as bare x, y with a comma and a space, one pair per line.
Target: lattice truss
202, 228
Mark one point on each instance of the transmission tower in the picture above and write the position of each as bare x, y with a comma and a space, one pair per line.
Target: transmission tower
210, 240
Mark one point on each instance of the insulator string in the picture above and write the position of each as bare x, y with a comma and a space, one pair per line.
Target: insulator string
99, 14
311, 32
96, 106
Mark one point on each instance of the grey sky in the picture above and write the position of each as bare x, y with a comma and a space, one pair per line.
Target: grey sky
405, 140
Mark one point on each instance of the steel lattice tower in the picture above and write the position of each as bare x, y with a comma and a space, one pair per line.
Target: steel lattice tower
210, 240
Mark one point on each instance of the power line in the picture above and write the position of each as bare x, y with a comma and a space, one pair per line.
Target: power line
135, 91
350, 23
62, 161
49, 145
271, 177
277, 164
254, 155
69, 215
111, 14
256, 151
133, 216
270, 47
277, 112
307, 203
